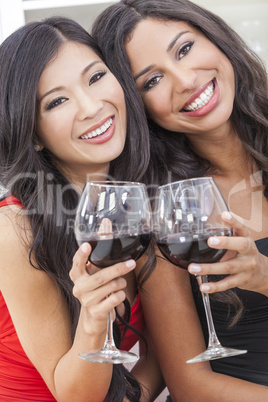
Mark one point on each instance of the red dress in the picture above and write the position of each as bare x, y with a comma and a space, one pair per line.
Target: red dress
19, 379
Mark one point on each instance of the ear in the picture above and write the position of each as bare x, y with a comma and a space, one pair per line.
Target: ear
38, 147
37, 144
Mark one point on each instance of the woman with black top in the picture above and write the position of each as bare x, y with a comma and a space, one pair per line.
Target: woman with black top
205, 94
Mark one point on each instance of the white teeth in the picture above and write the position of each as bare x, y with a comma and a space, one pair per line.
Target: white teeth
202, 100
99, 130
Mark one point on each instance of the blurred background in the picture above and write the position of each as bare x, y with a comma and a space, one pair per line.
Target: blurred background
248, 17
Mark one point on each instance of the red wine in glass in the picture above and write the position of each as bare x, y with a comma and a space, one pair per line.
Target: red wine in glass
186, 214
107, 252
115, 219
183, 249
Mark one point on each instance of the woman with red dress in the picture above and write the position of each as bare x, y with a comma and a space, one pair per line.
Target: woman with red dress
63, 121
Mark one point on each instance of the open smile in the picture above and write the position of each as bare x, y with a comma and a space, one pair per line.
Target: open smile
99, 131
201, 100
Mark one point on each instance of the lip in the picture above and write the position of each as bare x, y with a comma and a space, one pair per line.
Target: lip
96, 126
102, 138
207, 107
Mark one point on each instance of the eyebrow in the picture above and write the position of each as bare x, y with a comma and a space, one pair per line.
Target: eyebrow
173, 42
86, 69
169, 48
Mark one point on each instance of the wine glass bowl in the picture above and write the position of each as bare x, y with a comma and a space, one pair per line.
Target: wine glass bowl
186, 214
115, 219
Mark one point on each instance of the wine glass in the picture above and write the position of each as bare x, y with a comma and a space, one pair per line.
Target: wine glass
115, 219
186, 214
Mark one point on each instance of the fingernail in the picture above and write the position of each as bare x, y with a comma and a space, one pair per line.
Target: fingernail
214, 241
227, 215
130, 263
84, 248
204, 288
194, 268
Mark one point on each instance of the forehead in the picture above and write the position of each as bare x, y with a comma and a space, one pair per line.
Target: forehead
72, 53
153, 30
152, 38
70, 60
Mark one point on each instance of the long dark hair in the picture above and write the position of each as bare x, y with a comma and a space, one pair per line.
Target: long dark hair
47, 196
172, 157
114, 27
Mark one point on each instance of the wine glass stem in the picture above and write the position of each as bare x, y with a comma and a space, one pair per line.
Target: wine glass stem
109, 341
213, 341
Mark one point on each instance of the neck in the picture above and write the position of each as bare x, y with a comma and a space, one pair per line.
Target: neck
225, 152
79, 179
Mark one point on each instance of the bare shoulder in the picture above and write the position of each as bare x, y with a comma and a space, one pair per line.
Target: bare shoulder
13, 218
15, 236
35, 303
17, 274
15, 244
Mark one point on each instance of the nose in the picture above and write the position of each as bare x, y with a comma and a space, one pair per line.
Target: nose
88, 105
184, 79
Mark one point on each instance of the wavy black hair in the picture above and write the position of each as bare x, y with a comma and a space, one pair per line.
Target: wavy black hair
172, 157
33, 177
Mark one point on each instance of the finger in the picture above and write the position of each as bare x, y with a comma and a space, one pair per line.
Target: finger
101, 310
91, 269
85, 290
232, 221
108, 274
229, 282
240, 244
106, 280
228, 267
110, 302
80, 261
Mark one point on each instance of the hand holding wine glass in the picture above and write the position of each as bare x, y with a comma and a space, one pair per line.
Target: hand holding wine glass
98, 290
188, 213
115, 219
249, 267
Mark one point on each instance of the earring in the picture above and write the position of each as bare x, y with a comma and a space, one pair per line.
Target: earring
37, 147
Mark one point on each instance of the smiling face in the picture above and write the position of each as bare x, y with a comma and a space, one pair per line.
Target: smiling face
82, 114
186, 82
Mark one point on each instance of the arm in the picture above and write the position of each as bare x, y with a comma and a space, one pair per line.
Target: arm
247, 268
147, 371
42, 321
175, 330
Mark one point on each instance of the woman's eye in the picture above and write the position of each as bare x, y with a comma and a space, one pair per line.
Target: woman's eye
96, 77
55, 102
185, 50
151, 83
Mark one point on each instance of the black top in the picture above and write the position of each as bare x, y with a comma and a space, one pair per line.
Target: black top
250, 333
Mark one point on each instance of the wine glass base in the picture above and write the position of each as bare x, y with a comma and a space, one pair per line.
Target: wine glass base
216, 353
113, 356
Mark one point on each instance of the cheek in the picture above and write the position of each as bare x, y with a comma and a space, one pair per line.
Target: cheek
49, 130
231, 76
157, 107
114, 90
116, 96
